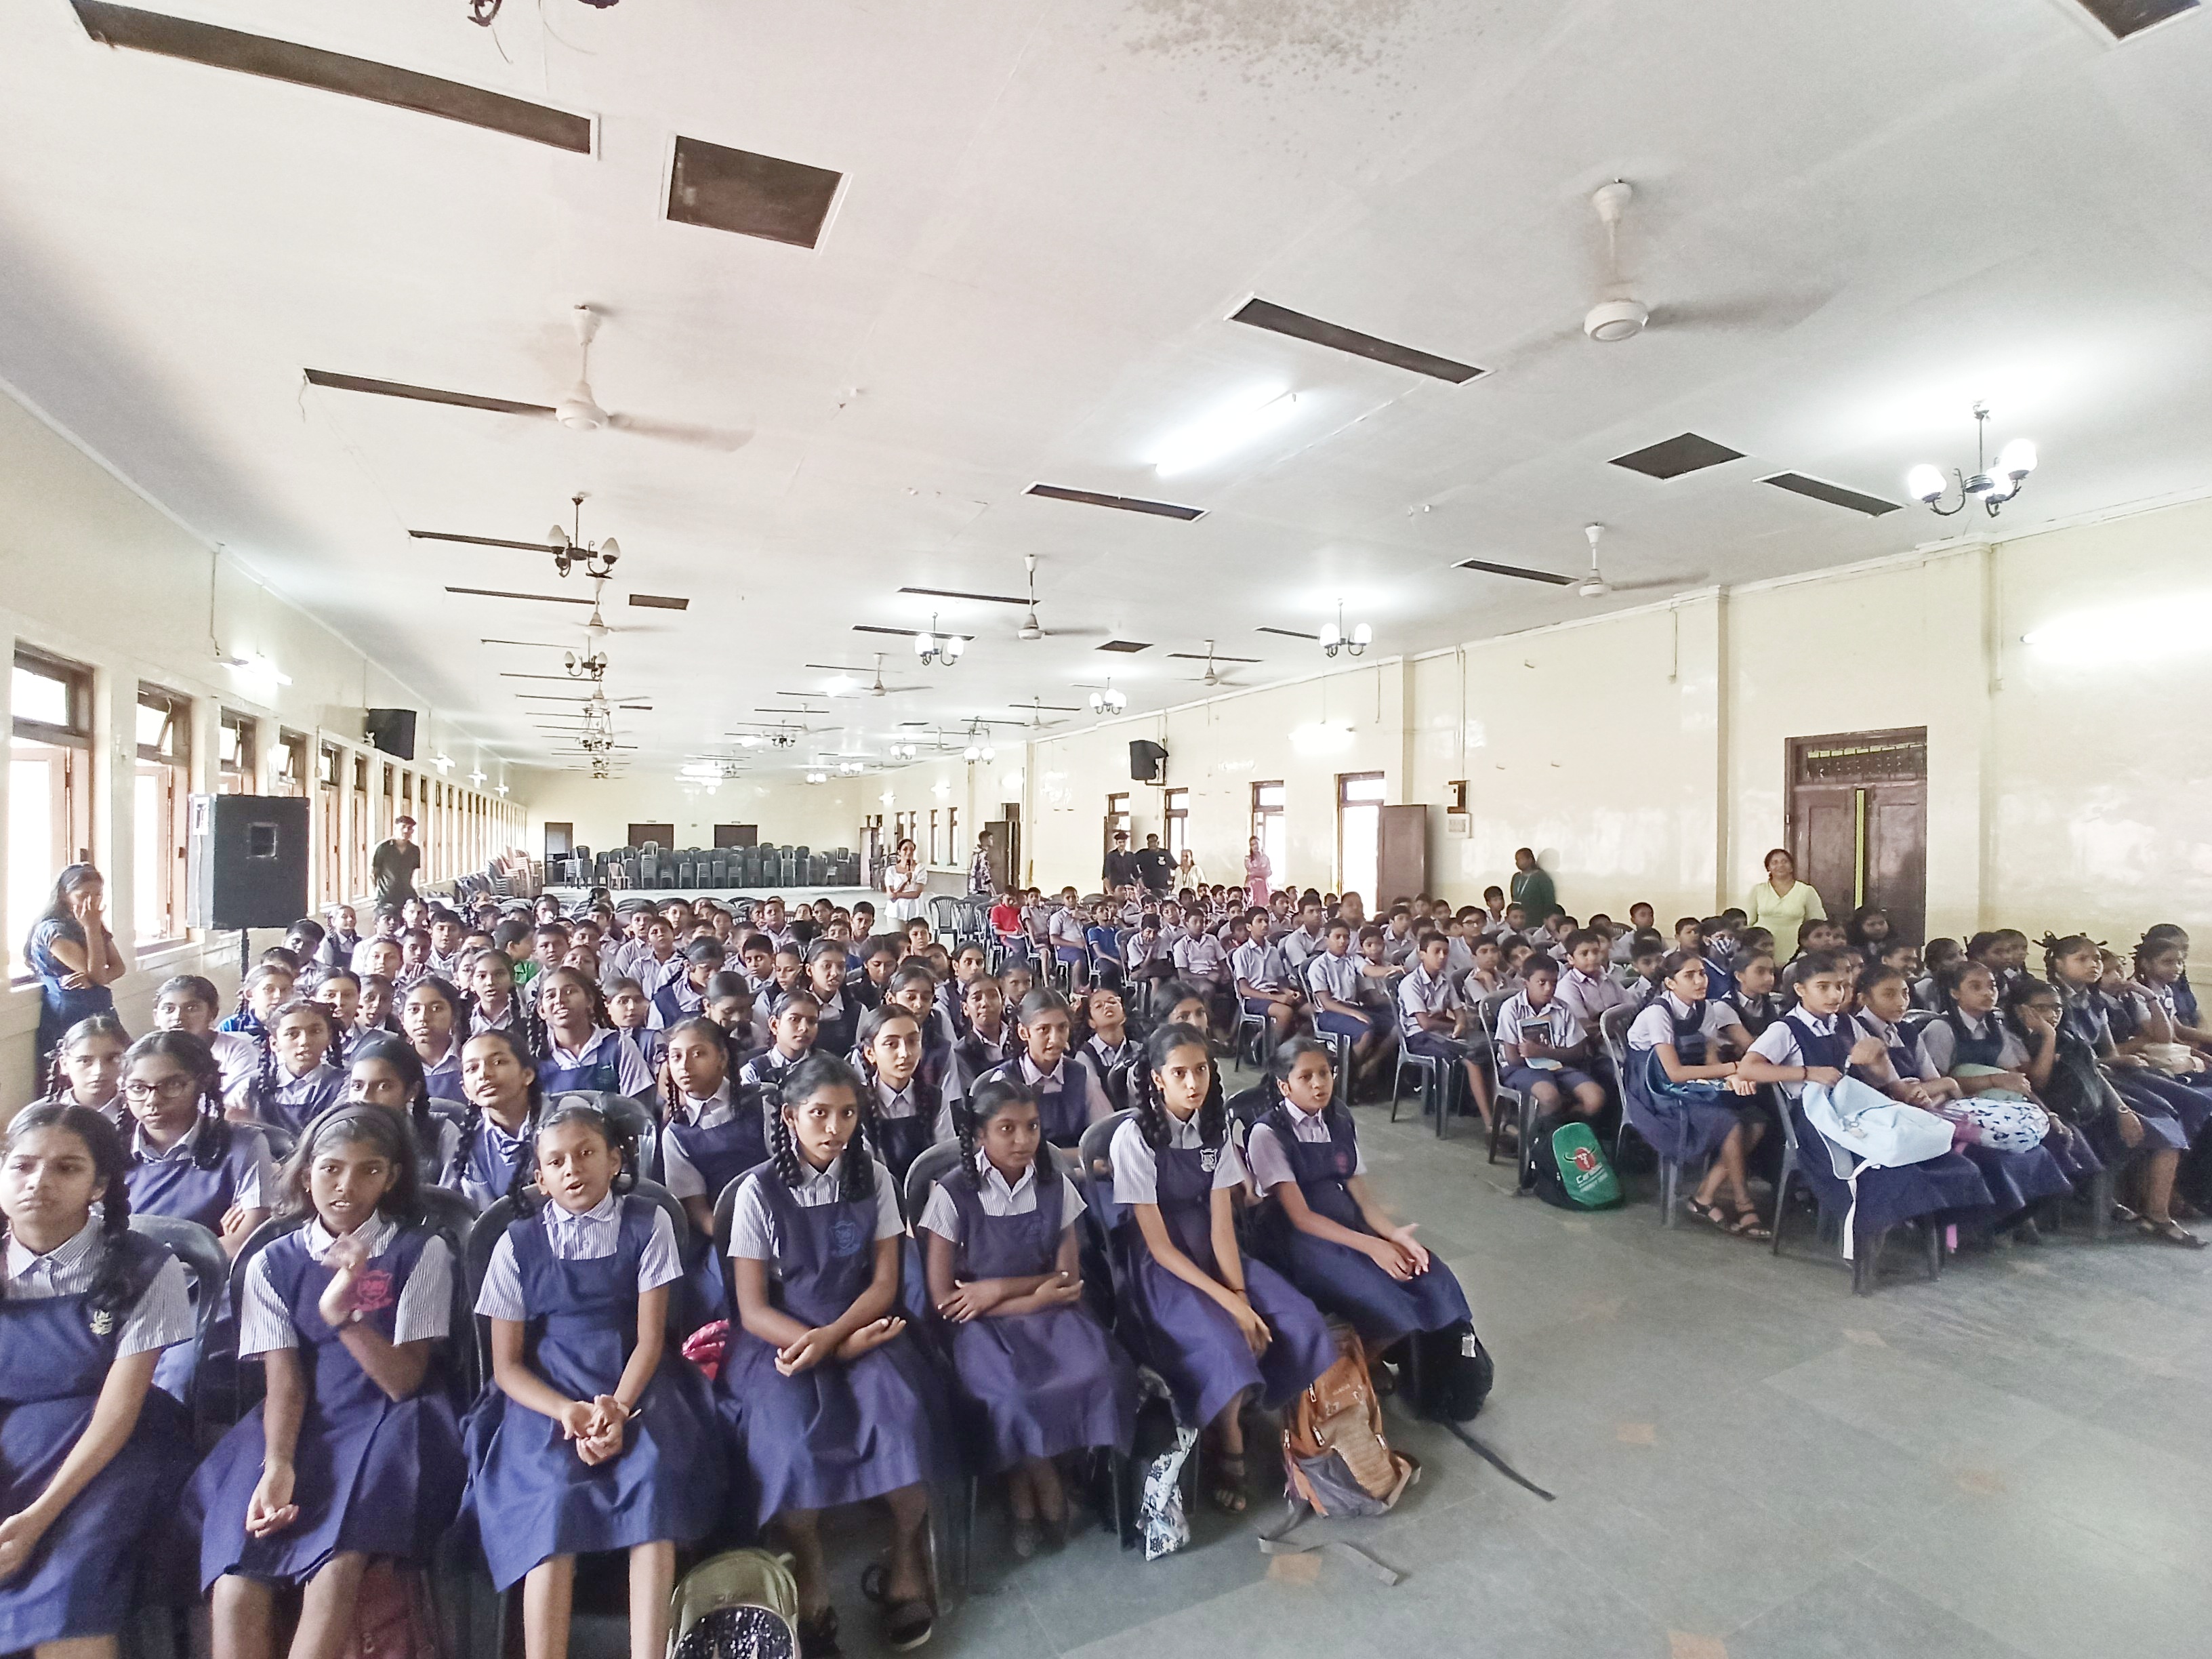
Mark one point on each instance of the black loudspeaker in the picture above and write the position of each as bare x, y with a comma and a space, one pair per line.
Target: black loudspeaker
391, 730
1148, 762
248, 858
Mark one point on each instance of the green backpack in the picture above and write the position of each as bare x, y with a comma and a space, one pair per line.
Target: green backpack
1572, 1170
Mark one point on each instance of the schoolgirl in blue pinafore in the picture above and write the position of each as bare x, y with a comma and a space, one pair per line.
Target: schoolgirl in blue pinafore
213, 1167
482, 1164
1181, 1332
1340, 1280
102, 1295
910, 1113
1046, 1382
1064, 1112
371, 1475
570, 1004
530, 1495
1685, 1121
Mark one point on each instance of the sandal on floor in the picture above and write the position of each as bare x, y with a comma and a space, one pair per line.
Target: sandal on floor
1029, 1533
1711, 1213
818, 1636
1231, 1492
1747, 1224
2170, 1231
906, 1625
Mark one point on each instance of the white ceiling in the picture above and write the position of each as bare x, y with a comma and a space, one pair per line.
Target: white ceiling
1851, 221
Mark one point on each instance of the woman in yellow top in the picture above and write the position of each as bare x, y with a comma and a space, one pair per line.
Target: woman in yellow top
1781, 905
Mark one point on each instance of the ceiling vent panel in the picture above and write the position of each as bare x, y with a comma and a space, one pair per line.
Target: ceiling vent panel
1675, 456
1820, 489
2122, 18
659, 602
1515, 570
753, 195
1126, 647
1120, 503
1280, 320
331, 71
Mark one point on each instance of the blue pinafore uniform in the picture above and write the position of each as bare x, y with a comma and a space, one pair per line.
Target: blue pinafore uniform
1049, 1382
1684, 1122
843, 1430
372, 1474
531, 1497
1180, 1331
721, 1153
598, 1072
55, 1353
899, 1140
1935, 1186
485, 1167
1340, 1280
2015, 1180
183, 1188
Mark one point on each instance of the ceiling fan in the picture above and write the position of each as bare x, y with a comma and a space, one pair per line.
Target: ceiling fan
878, 690
1213, 676
1036, 708
580, 411
1032, 628
569, 548
641, 601
1596, 586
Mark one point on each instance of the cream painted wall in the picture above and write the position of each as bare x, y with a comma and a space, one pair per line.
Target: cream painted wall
1303, 735
94, 573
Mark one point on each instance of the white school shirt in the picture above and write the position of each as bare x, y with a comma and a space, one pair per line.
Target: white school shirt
1459, 957
942, 1217
238, 1057
1137, 954
425, 1310
752, 1224
900, 1104
1566, 1030
766, 1067
1271, 1164
1656, 1024
590, 1236
1334, 977
1587, 998
1421, 992
160, 1318
678, 1173
1939, 1045
1136, 1166
1200, 956
651, 973
252, 1186
1778, 1045
1261, 966
1299, 947
1398, 948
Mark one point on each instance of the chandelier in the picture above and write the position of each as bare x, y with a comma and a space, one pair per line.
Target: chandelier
1334, 639
942, 649
1993, 487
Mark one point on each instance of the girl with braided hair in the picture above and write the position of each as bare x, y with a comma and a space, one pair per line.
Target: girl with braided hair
581, 1049
338, 990
295, 1079
384, 1072
86, 1068
831, 1401
1005, 1279
185, 1158
190, 1003
1339, 1245
583, 1373
435, 1019
909, 1112
714, 1128
497, 1008
1217, 1325
93, 1458
500, 1076
260, 994
357, 1451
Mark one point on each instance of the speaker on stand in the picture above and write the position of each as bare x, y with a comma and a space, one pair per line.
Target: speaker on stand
245, 864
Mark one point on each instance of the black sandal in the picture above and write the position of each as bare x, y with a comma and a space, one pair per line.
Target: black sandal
906, 1625
2170, 1231
817, 1635
1747, 1224
1711, 1213
1231, 1492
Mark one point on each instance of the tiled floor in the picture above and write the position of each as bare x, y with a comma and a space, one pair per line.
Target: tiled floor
1749, 1463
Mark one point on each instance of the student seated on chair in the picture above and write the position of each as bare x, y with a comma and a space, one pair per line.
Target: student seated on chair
1263, 977
1333, 978
1685, 1033
1435, 1020
1543, 1047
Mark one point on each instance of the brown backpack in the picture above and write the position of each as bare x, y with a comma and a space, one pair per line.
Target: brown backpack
1335, 1460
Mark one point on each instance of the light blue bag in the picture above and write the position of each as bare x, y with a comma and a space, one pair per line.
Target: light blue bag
1864, 1128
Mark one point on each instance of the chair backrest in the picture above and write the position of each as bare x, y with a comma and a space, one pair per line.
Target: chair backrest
1094, 1148
944, 913
636, 1120
1492, 1004
937, 1161
202, 1254
1915, 1022
1612, 1024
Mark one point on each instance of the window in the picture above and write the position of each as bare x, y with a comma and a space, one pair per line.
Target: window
49, 786
162, 787
235, 742
330, 823
1117, 816
952, 835
936, 838
1176, 806
1358, 833
291, 779
1267, 823
357, 849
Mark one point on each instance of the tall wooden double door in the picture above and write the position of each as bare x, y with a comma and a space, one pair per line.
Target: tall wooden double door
1857, 823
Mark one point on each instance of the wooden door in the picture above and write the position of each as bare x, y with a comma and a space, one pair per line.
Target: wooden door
1858, 823
737, 834
560, 841
1402, 864
662, 835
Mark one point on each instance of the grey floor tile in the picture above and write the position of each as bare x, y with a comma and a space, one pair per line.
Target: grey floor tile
1858, 1614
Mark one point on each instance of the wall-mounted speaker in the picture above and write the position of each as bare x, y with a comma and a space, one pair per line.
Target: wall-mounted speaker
246, 858
1148, 762
391, 730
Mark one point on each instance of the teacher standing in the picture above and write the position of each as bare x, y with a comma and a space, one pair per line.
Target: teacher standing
1258, 872
394, 864
902, 884
1532, 887
1783, 904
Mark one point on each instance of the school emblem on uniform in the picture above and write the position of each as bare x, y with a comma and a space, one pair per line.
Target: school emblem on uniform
847, 1236
103, 1321
1208, 1157
371, 1290
1343, 1163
